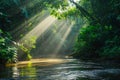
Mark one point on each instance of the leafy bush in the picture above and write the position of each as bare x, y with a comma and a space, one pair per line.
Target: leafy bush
92, 42
26, 46
111, 50
8, 53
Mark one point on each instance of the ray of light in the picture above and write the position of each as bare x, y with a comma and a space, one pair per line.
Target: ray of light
40, 28
50, 39
27, 25
62, 41
47, 46
50, 46
57, 35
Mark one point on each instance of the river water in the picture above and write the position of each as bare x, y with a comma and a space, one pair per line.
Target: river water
60, 69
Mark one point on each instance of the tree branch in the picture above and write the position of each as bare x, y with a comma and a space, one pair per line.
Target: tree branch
83, 11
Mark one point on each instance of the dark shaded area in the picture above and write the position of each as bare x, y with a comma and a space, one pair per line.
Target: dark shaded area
100, 38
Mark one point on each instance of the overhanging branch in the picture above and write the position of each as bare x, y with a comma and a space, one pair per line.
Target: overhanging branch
83, 11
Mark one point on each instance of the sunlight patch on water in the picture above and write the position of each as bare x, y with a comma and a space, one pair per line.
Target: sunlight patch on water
39, 62
60, 69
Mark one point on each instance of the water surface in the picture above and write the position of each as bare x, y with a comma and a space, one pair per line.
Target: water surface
60, 69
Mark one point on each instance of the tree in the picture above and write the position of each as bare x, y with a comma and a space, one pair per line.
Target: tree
100, 40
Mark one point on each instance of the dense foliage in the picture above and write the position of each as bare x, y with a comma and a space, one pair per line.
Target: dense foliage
15, 12
12, 14
25, 47
100, 39
8, 53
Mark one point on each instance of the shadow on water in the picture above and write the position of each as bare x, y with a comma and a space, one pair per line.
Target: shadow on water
59, 69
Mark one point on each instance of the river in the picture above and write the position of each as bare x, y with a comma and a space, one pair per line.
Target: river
60, 69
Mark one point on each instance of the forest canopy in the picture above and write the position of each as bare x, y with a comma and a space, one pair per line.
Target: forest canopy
98, 39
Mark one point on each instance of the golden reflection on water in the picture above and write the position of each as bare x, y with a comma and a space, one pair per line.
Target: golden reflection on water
29, 70
15, 71
38, 62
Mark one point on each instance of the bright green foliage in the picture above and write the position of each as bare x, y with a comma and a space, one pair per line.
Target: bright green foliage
66, 14
26, 46
8, 53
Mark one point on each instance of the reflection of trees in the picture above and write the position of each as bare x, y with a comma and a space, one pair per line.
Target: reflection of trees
15, 72
29, 72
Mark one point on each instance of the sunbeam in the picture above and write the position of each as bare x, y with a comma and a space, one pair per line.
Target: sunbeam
40, 28
51, 37
58, 33
50, 43
46, 44
62, 41
29, 24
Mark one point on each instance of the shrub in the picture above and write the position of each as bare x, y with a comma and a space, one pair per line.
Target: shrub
91, 40
8, 53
